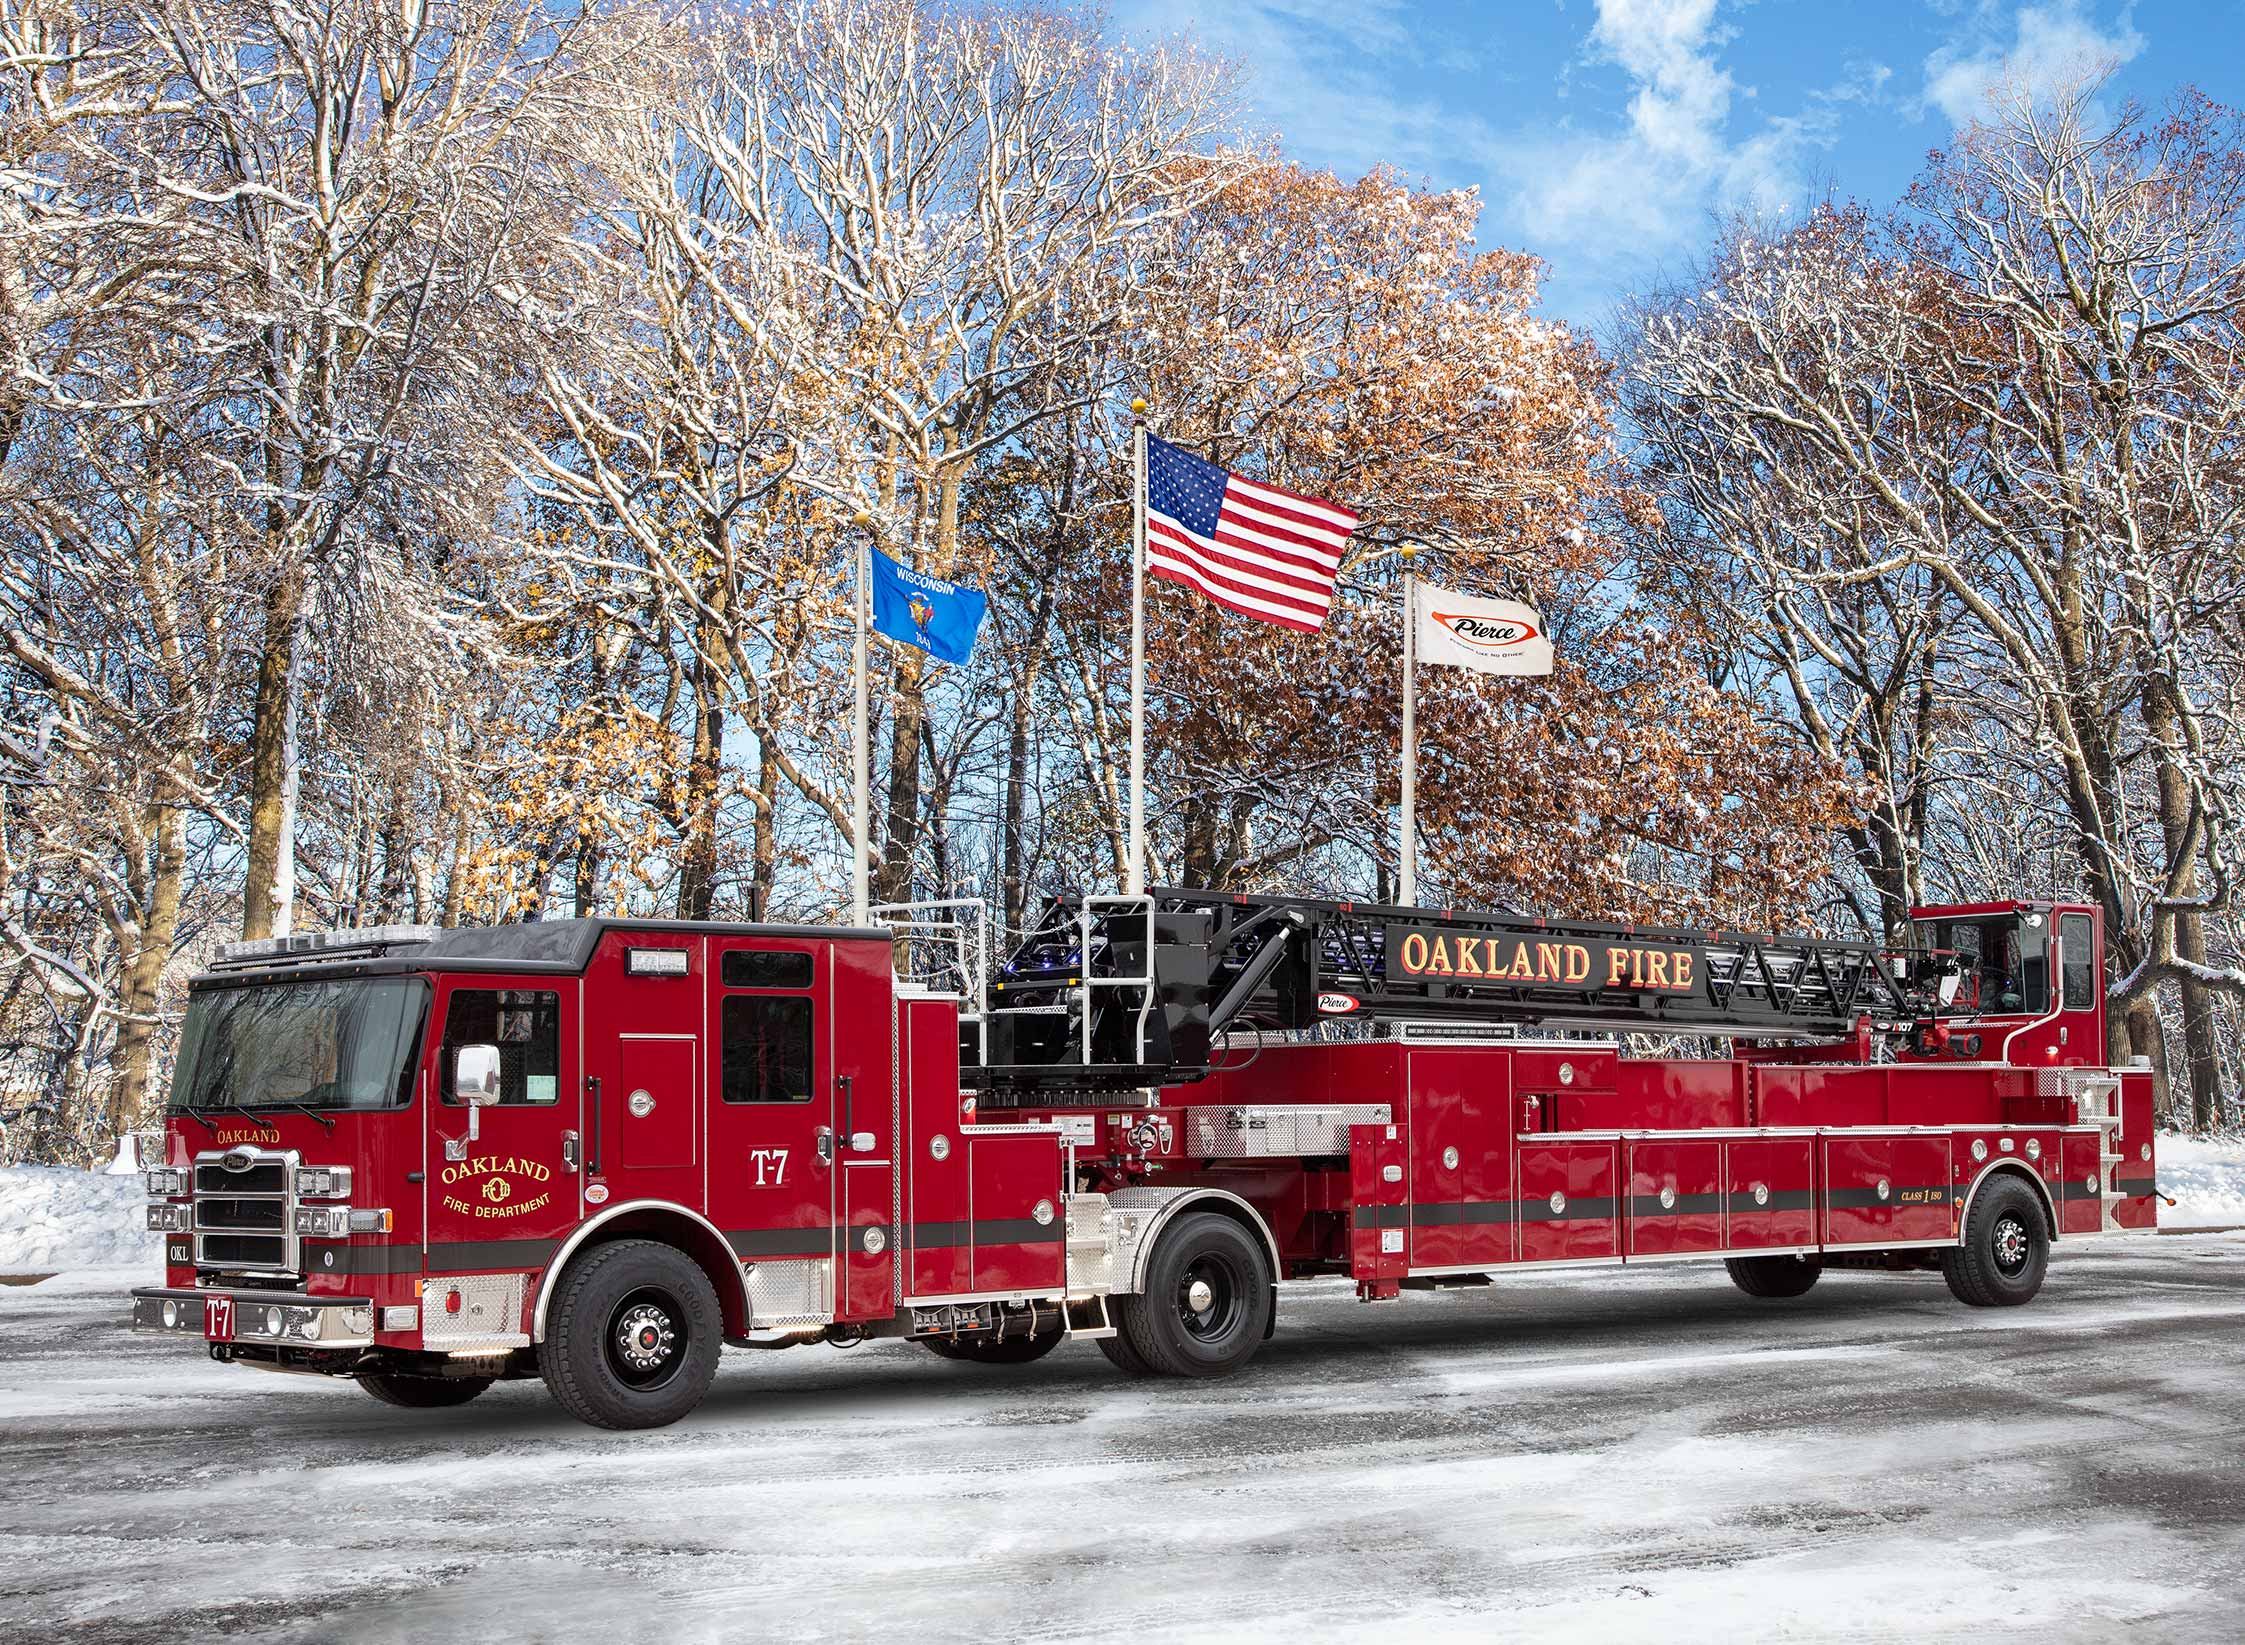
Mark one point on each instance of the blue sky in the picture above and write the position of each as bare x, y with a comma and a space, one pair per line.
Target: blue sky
1605, 135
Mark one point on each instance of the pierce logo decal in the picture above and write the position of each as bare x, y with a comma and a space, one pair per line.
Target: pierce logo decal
1491, 636
1335, 1005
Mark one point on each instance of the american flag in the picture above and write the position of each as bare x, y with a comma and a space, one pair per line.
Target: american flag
1249, 547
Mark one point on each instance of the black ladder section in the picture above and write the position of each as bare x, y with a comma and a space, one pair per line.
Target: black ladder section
1110, 994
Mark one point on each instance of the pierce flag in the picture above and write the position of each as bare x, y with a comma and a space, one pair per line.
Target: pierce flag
939, 617
1491, 636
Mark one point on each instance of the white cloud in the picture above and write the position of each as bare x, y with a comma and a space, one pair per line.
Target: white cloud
2050, 45
1624, 194
1329, 75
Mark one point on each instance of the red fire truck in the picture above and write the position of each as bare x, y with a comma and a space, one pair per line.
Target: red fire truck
595, 1150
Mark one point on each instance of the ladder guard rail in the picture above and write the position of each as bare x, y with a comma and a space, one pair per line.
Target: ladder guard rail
1087, 920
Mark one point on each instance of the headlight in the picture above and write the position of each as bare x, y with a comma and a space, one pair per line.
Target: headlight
339, 1221
164, 1181
323, 1181
169, 1219
274, 1323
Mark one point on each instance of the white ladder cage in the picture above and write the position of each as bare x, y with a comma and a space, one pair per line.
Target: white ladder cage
1087, 918
943, 946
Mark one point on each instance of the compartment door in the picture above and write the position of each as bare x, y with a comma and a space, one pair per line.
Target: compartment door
869, 1257
1569, 1206
1675, 1197
1887, 1190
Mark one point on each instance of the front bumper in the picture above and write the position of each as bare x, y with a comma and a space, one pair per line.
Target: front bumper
266, 1319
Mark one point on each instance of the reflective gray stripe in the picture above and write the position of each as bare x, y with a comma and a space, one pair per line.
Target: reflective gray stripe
781, 1242
491, 1253
365, 1259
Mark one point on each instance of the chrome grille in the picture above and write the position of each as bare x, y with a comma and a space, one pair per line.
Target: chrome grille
264, 1176
245, 1217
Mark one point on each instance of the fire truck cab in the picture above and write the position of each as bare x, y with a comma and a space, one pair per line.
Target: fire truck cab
595, 1150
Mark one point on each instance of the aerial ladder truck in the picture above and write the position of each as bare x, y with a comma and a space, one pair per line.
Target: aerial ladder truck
594, 1151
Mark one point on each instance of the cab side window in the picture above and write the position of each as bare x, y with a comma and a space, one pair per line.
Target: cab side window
765, 1048
2077, 962
524, 1023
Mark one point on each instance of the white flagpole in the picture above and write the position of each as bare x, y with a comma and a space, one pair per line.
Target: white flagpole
1134, 879
1409, 890
861, 850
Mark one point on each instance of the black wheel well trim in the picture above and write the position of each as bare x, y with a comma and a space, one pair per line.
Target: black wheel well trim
2010, 1167
665, 1222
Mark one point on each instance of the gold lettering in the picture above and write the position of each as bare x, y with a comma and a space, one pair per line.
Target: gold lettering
1683, 970
1438, 957
1547, 962
1414, 952
1656, 969
1522, 968
1617, 966
1578, 963
1468, 965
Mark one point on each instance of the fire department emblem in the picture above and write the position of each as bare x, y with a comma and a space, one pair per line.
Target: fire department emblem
496, 1189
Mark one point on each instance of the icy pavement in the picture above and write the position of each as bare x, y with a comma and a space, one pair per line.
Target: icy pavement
1596, 1457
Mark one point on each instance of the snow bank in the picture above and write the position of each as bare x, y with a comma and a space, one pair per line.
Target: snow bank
53, 1218
2206, 1176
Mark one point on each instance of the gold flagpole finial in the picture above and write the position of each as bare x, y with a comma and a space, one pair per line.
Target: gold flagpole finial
1138, 408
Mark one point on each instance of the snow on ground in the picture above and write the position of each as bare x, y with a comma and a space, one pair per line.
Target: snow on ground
1565, 1457
2206, 1177
52, 1218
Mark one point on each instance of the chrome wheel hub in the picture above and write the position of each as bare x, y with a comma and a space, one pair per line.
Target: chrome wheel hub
644, 1337
2011, 1245
1199, 1295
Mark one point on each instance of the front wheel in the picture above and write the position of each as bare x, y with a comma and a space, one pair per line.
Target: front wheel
633, 1338
422, 1393
2005, 1251
1207, 1301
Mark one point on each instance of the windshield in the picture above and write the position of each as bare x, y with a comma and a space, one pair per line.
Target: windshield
345, 1044
1989, 966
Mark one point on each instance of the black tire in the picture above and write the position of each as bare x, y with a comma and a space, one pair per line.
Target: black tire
422, 1393
1163, 1326
982, 1349
1774, 1276
2005, 1252
632, 1336
1120, 1354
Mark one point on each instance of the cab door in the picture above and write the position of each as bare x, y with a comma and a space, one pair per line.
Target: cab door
774, 1180
505, 1199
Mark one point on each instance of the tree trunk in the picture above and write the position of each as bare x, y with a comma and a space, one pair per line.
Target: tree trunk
2202, 1056
764, 843
705, 770
272, 736
141, 995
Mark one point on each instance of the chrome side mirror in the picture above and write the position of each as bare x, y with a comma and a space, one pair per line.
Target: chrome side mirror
475, 1075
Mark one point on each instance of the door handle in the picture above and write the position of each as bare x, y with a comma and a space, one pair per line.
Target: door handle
826, 1144
569, 1151
849, 1112
592, 1098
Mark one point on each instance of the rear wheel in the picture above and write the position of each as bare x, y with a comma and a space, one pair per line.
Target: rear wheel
1120, 1354
1207, 1300
1774, 1276
2005, 1251
989, 1350
422, 1393
633, 1338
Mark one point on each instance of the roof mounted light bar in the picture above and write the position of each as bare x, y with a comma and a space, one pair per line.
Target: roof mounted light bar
365, 939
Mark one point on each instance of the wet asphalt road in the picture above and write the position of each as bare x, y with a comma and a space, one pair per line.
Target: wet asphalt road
1586, 1457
